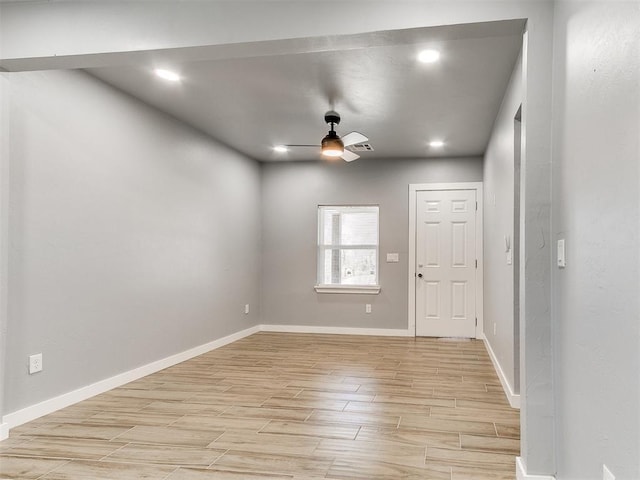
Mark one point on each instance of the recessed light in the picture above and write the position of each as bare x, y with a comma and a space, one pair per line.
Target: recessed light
167, 75
428, 56
280, 149
436, 144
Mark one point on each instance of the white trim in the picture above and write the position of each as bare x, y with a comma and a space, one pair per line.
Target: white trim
382, 332
521, 472
322, 246
514, 398
414, 188
61, 401
360, 289
5, 171
411, 322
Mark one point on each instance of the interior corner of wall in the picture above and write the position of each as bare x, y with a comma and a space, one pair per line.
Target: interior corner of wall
521, 472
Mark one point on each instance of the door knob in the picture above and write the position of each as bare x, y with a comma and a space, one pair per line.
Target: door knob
419, 275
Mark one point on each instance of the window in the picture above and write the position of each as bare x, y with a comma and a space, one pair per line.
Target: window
347, 249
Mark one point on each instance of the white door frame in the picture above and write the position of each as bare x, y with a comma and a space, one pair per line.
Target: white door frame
414, 188
4, 245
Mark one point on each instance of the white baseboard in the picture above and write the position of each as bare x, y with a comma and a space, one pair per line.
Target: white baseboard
514, 398
383, 332
4, 431
56, 403
521, 472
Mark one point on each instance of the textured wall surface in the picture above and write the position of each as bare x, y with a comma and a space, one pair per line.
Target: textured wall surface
597, 210
4, 231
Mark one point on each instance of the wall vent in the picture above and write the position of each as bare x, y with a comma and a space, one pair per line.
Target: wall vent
361, 147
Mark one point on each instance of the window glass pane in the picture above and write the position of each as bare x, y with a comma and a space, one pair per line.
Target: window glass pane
331, 267
358, 267
331, 226
359, 228
349, 266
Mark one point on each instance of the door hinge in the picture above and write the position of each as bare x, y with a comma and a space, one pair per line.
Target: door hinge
476, 321
476, 263
476, 206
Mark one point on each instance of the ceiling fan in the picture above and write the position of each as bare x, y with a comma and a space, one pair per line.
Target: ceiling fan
332, 144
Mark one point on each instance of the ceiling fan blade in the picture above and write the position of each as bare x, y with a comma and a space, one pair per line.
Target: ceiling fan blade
348, 156
353, 138
300, 145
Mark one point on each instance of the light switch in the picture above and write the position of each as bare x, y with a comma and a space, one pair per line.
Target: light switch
561, 254
393, 258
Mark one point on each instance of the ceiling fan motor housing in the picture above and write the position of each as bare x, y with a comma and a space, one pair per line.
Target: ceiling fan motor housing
332, 117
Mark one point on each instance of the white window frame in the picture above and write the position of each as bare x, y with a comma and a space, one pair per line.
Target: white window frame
335, 288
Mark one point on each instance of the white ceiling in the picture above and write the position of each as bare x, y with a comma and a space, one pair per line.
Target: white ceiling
257, 99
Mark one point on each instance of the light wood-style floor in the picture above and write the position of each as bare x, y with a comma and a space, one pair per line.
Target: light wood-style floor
287, 406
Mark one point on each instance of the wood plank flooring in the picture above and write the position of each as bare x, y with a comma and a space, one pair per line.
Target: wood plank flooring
287, 406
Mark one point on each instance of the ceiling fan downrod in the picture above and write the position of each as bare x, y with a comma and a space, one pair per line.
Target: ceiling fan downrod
332, 118
331, 145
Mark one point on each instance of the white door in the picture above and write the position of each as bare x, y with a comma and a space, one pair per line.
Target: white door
446, 263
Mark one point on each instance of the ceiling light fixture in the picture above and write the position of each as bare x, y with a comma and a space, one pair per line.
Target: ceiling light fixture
436, 144
280, 149
332, 146
167, 75
428, 56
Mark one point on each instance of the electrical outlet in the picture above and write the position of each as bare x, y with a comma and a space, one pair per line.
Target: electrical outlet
35, 363
606, 473
367, 308
495, 328
246, 309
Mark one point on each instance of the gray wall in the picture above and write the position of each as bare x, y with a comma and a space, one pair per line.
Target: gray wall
536, 358
596, 185
498, 223
132, 237
4, 232
291, 195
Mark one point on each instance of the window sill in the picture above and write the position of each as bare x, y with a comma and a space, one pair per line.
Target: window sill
358, 289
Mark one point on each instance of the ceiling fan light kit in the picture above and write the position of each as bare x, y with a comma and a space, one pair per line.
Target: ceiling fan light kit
332, 146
